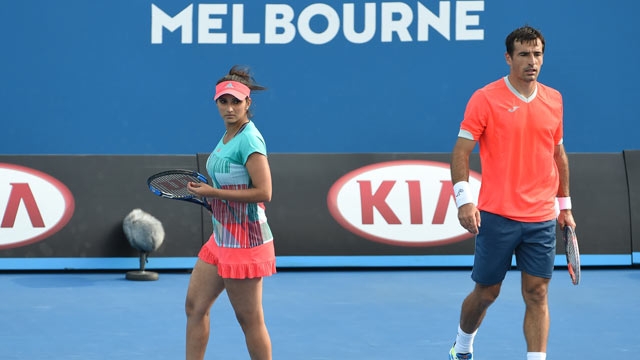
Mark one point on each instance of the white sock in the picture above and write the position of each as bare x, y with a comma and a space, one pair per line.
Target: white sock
464, 341
536, 356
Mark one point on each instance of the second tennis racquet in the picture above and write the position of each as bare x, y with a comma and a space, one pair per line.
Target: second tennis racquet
572, 252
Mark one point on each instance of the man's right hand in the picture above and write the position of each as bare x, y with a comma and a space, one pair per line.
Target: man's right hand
469, 217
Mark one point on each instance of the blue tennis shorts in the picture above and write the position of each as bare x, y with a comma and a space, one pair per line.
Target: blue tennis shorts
534, 245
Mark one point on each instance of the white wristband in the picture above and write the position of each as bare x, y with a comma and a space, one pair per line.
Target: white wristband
564, 203
462, 193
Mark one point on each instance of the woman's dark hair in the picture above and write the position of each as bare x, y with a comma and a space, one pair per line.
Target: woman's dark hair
242, 74
523, 34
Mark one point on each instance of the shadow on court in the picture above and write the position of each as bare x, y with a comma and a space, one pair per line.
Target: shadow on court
312, 315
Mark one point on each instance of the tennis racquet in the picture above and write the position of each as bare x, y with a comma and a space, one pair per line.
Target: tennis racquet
573, 253
172, 184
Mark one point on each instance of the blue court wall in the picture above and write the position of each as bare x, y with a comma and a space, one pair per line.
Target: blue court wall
136, 77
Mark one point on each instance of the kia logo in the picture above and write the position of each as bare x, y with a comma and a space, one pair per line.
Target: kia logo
33, 206
405, 202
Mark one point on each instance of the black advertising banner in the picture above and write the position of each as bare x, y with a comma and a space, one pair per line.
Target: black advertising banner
600, 200
308, 188
325, 206
73, 206
365, 204
632, 161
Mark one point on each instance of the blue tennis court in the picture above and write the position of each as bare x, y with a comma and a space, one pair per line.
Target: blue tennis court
312, 315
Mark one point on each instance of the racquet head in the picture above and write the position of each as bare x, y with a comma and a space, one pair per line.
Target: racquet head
172, 184
573, 253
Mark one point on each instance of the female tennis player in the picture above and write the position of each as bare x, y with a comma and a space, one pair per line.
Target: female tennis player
240, 251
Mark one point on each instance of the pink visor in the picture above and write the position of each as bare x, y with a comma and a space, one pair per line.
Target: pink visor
239, 90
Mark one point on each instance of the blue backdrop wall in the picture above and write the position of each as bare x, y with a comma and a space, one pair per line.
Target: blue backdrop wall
136, 77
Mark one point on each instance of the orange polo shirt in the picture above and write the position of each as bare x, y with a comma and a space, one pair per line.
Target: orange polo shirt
517, 137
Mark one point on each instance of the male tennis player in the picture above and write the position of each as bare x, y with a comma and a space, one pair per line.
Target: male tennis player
517, 123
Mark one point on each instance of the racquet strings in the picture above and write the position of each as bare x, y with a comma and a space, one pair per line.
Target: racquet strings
174, 184
573, 255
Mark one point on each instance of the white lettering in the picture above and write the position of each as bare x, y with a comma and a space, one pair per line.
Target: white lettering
400, 26
440, 23
463, 20
238, 36
304, 24
160, 20
320, 23
349, 27
206, 23
279, 17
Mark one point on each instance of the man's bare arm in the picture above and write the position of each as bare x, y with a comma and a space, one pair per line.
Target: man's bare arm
460, 159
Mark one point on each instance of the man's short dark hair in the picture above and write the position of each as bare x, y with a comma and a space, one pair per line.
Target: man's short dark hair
523, 34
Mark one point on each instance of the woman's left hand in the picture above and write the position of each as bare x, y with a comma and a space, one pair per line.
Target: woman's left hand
199, 189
